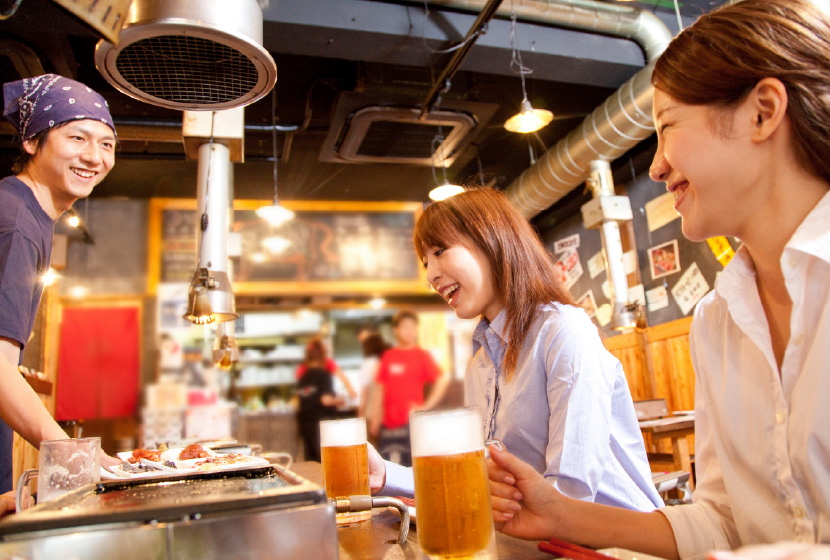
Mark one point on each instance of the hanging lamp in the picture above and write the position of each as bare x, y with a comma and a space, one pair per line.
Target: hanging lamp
527, 119
275, 214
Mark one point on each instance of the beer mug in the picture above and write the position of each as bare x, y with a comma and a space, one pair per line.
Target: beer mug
345, 458
452, 492
63, 465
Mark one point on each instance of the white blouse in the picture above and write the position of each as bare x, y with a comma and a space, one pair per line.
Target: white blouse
762, 436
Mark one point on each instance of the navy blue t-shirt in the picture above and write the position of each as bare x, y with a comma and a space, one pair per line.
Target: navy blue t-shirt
25, 253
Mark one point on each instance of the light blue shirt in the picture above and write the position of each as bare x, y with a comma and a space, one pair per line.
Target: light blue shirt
567, 410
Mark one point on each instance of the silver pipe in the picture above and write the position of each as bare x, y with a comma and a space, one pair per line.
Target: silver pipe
636, 24
213, 202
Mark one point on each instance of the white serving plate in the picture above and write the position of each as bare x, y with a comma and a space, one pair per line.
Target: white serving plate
184, 466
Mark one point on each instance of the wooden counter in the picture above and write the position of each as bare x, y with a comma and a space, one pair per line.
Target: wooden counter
375, 538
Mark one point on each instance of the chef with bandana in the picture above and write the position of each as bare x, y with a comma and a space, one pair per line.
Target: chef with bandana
67, 147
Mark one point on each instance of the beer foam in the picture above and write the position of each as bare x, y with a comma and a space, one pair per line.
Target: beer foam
446, 432
339, 433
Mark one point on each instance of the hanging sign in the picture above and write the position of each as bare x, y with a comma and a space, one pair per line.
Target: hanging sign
721, 249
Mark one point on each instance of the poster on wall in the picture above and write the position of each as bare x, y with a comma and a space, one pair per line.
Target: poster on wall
691, 287
587, 302
567, 245
568, 268
596, 265
660, 211
664, 259
658, 298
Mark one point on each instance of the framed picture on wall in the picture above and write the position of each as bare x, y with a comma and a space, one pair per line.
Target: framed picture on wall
664, 259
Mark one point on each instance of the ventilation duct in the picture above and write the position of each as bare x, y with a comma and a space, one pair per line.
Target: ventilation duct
396, 135
369, 129
190, 54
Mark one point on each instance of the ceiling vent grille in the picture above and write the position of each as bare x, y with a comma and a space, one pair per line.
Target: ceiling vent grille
190, 54
391, 135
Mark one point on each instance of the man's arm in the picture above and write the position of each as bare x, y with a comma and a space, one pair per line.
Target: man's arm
437, 392
20, 406
346, 383
376, 403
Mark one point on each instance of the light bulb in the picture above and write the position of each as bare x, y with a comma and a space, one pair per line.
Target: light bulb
445, 191
275, 214
528, 119
276, 244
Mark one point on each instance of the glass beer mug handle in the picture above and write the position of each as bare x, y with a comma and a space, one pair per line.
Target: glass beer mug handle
284, 459
280, 458
23, 498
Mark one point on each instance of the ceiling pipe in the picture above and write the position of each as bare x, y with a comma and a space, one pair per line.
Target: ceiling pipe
640, 26
613, 128
479, 27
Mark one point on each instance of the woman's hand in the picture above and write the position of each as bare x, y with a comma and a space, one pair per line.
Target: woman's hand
377, 470
524, 503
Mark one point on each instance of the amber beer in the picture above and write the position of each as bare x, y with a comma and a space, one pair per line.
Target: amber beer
452, 493
345, 462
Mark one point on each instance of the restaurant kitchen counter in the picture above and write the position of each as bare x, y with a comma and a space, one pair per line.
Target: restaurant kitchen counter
374, 539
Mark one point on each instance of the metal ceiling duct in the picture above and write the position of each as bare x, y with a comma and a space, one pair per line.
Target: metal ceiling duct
641, 26
190, 54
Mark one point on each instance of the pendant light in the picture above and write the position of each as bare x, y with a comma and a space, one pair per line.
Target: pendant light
445, 189
275, 214
527, 119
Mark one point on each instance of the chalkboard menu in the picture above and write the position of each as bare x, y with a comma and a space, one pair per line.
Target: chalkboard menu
330, 247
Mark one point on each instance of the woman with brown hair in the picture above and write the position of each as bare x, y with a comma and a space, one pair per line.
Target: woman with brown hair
547, 387
317, 399
742, 111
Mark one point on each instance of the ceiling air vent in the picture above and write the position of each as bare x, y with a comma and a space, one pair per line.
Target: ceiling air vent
190, 54
374, 127
392, 135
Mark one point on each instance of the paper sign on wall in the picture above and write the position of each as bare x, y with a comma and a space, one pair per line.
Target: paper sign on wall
596, 265
630, 261
664, 259
606, 289
568, 268
604, 313
588, 303
637, 294
570, 243
690, 288
660, 211
722, 250
658, 298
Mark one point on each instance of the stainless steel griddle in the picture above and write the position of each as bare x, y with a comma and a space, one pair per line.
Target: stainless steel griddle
261, 513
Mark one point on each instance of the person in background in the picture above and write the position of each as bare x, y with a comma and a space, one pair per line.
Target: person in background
317, 400
331, 366
404, 372
364, 330
68, 147
374, 347
546, 385
742, 112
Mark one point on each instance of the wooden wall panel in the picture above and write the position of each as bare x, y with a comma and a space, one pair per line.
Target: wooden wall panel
658, 365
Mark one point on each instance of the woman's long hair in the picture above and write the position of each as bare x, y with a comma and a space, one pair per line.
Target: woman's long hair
524, 276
